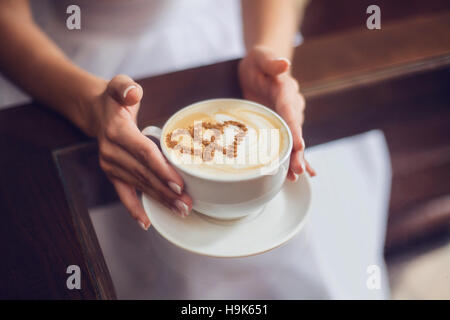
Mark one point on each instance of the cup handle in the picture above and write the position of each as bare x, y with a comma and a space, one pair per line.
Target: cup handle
152, 131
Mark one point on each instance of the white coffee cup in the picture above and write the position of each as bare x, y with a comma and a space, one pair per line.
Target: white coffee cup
224, 197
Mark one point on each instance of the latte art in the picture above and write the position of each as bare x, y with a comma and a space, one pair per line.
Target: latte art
233, 139
208, 147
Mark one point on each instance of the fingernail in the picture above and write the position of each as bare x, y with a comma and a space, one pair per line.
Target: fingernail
283, 59
175, 188
142, 225
303, 143
128, 90
303, 166
182, 207
295, 177
176, 211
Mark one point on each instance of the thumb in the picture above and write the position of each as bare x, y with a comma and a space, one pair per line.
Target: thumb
124, 90
270, 64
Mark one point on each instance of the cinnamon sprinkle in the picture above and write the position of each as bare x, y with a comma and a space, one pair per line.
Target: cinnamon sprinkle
209, 146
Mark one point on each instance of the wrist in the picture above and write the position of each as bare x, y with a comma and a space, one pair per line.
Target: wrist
89, 104
279, 50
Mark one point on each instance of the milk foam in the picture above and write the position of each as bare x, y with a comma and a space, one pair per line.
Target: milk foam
264, 138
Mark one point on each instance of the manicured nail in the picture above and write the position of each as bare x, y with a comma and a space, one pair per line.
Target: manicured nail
128, 90
182, 207
283, 59
142, 225
302, 162
175, 188
177, 212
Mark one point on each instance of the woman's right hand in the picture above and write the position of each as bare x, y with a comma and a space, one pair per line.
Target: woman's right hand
131, 160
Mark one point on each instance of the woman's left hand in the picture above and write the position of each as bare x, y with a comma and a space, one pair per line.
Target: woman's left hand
265, 79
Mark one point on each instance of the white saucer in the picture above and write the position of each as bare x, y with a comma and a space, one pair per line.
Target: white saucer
281, 219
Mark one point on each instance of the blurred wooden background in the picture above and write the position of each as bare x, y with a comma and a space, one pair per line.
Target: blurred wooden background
324, 17
414, 39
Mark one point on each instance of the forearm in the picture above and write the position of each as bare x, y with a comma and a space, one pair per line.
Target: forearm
271, 23
33, 62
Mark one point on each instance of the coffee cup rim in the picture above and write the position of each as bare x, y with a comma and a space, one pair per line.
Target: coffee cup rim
256, 175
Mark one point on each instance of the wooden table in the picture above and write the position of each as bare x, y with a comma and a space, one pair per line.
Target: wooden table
353, 82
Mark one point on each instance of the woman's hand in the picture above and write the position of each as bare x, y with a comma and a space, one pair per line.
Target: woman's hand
265, 79
130, 160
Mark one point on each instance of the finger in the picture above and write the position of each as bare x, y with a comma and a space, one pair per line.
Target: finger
125, 177
297, 134
290, 104
271, 64
310, 169
124, 90
123, 159
129, 198
297, 164
148, 153
291, 176
181, 205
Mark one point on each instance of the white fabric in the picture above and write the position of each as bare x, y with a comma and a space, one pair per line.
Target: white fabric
139, 37
327, 260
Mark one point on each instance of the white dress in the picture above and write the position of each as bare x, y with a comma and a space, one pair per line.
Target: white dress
139, 37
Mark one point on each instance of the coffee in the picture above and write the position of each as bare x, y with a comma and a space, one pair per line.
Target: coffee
225, 138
